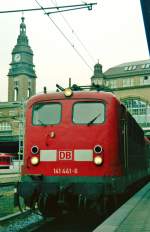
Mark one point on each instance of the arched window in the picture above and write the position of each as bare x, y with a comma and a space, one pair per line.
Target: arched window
16, 94
139, 109
29, 93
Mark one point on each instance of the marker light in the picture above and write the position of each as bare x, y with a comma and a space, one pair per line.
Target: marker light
68, 92
34, 149
98, 160
98, 149
35, 160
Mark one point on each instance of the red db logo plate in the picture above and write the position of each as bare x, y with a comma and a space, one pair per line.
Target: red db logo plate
65, 155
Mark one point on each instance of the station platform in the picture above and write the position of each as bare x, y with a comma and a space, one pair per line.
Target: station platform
9, 177
133, 216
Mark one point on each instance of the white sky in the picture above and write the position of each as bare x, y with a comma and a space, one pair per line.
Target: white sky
112, 32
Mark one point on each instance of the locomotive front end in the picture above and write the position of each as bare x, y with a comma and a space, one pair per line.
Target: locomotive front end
66, 151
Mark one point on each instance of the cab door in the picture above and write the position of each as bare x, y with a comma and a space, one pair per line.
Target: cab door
124, 139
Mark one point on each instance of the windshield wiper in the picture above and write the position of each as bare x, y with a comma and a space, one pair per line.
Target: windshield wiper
42, 123
91, 122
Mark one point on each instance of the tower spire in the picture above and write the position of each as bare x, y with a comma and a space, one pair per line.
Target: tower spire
22, 26
22, 38
21, 74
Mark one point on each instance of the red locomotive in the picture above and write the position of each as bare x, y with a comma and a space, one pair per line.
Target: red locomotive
81, 148
6, 160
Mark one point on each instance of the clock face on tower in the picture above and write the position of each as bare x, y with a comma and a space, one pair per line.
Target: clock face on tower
17, 57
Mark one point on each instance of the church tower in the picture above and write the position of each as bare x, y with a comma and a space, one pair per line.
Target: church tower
22, 77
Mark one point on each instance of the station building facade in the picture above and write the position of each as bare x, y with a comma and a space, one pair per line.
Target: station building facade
130, 82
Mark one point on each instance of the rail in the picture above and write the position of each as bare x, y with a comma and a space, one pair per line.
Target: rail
20, 222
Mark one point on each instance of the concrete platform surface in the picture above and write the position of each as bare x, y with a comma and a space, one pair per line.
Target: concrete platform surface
6, 178
133, 216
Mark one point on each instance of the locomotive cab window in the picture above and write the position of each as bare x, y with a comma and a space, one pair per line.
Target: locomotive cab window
88, 113
46, 114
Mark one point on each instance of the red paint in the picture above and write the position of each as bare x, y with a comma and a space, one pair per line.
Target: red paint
70, 137
6, 159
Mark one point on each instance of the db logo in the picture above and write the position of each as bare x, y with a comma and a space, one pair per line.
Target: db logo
65, 155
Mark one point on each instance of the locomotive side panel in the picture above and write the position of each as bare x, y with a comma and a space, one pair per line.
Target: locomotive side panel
137, 158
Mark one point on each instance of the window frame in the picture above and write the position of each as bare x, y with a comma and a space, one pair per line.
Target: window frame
85, 124
46, 103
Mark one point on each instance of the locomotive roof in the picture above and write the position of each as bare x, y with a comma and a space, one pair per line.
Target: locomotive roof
76, 95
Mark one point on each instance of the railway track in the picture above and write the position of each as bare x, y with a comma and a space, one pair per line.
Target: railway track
20, 222
77, 222
31, 222
72, 222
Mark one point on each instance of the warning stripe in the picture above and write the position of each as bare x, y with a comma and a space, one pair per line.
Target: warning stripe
83, 155
79, 155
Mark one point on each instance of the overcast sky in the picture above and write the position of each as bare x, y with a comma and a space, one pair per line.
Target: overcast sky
113, 33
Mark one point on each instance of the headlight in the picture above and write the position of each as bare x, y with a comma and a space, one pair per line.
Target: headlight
68, 92
35, 160
98, 160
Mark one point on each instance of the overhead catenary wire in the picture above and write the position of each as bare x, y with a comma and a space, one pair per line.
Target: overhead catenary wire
74, 33
57, 10
66, 38
70, 7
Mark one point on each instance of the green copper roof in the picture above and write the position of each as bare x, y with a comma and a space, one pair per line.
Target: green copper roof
129, 69
22, 41
25, 63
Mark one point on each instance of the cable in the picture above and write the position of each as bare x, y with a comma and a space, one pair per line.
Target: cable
68, 40
74, 33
